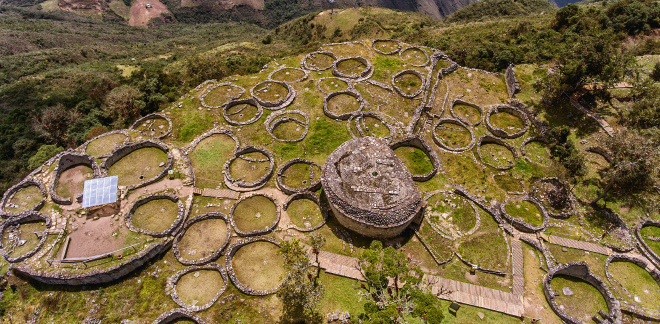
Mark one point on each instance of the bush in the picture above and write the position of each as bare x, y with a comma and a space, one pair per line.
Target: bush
563, 150
655, 74
44, 153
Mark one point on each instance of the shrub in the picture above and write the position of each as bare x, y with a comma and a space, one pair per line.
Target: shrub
44, 153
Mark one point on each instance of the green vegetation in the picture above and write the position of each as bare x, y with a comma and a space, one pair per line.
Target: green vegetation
25, 199
156, 215
27, 233
254, 213
304, 213
526, 211
493, 9
203, 238
301, 290
414, 159
259, 265
148, 159
199, 287
637, 282
105, 144
584, 303
208, 157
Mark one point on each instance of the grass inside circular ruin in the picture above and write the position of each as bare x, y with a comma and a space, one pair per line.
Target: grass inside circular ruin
451, 214
467, 113
156, 215
259, 266
319, 61
105, 144
154, 127
538, 152
386, 46
288, 75
304, 213
373, 127
639, 284
508, 183
197, 288
651, 235
585, 301
203, 238
452, 135
414, 159
496, 155
486, 249
271, 91
26, 232
71, 181
524, 210
208, 157
139, 165
290, 130
221, 95
342, 104
300, 175
241, 113
332, 85
254, 213
408, 83
506, 121
24, 199
351, 67
247, 170
414, 56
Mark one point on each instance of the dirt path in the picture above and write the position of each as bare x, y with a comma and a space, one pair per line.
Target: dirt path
140, 14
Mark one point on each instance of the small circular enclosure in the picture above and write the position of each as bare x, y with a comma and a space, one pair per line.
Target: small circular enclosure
415, 56
157, 126
555, 195
408, 83
467, 112
450, 215
104, 144
273, 95
453, 135
496, 153
27, 195
506, 121
299, 175
178, 315
288, 126
202, 239
305, 212
418, 156
242, 111
218, 95
386, 46
318, 61
253, 215
22, 236
525, 214
356, 67
138, 164
255, 265
289, 74
198, 285
535, 150
367, 123
249, 169
156, 215
342, 105
328, 85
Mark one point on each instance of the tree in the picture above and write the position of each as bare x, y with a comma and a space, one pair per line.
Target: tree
563, 150
655, 74
634, 163
123, 103
300, 291
409, 298
53, 123
318, 241
44, 153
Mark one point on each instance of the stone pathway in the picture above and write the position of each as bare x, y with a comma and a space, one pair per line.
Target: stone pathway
600, 120
220, 193
518, 269
575, 244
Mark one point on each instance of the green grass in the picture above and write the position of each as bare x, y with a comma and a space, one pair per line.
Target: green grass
414, 159
524, 210
467, 113
105, 144
203, 238
25, 198
271, 91
249, 171
506, 121
584, 303
408, 83
332, 85
208, 157
298, 175
488, 250
451, 213
374, 127
254, 213
538, 153
652, 231
288, 75
638, 282
259, 265
413, 56
453, 135
201, 289
342, 104
154, 127
304, 213
320, 61
139, 163
496, 155
221, 95
156, 215
508, 183
27, 233
340, 295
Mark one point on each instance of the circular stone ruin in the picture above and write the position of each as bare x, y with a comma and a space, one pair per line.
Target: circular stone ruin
415, 56
72, 170
220, 94
299, 175
329, 85
305, 212
273, 95
154, 125
535, 150
356, 67
632, 277
580, 271
241, 112
178, 315
101, 146
495, 155
341, 105
556, 197
255, 266
288, 126
369, 189
318, 61
453, 136
367, 123
23, 227
289, 74
157, 215
196, 282
450, 215
247, 167
408, 83
153, 158
502, 115
202, 238
525, 214
467, 112
386, 46
416, 142
27, 195
253, 215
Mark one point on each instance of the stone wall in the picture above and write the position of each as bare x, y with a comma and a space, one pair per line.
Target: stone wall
257, 231
520, 224
277, 118
365, 74
9, 194
202, 98
174, 280
231, 250
305, 66
344, 116
499, 132
488, 139
181, 214
178, 314
24, 217
213, 256
310, 196
67, 161
138, 122
240, 185
401, 92
397, 42
511, 81
124, 150
83, 148
278, 104
466, 103
313, 186
418, 142
247, 101
457, 122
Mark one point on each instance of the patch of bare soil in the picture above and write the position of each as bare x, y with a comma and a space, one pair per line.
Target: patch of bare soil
95, 236
140, 14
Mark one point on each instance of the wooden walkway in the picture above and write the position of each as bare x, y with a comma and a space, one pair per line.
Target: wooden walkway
518, 269
581, 245
220, 193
